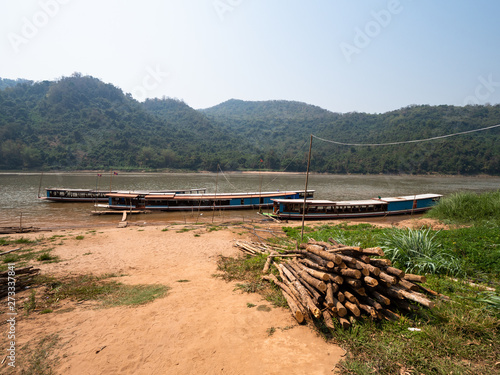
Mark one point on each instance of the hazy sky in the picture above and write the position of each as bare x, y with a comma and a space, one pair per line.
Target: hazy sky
342, 55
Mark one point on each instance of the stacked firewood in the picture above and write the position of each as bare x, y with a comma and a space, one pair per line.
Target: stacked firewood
254, 248
333, 281
19, 279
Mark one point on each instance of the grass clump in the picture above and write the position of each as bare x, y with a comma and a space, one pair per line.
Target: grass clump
468, 207
92, 288
418, 251
44, 257
38, 358
249, 270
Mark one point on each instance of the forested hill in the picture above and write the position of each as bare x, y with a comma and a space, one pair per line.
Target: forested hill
280, 128
80, 122
83, 123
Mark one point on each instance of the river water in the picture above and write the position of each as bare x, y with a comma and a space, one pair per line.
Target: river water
19, 192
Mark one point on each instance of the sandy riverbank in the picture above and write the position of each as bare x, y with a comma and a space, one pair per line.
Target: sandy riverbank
202, 326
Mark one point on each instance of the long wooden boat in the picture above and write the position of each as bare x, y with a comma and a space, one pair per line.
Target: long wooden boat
91, 195
183, 202
326, 209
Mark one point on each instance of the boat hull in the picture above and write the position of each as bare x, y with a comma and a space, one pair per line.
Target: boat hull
298, 216
326, 210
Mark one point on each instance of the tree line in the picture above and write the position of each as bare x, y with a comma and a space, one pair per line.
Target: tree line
80, 122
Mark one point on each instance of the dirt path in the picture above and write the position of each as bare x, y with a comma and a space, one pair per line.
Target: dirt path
203, 326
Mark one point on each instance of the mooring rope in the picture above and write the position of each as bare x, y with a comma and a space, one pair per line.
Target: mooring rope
234, 187
405, 142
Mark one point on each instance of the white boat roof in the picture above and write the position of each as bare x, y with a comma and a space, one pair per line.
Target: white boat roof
364, 202
411, 197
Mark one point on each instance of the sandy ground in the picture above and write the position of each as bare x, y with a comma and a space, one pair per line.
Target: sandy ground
203, 326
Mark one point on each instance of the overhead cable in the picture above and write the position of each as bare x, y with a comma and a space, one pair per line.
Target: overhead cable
404, 142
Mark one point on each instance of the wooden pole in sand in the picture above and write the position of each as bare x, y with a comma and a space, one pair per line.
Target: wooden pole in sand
305, 192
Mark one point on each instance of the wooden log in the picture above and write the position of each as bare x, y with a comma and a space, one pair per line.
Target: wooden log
353, 308
364, 268
380, 297
318, 250
349, 272
323, 276
294, 291
415, 278
390, 291
339, 308
327, 318
370, 281
344, 323
329, 298
417, 297
285, 288
388, 278
375, 271
395, 271
430, 291
350, 260
373, 251
408, 286
340, 296
313, 293
288, 274
369, 309
320, 261
311, 264
268, 262
319, 243
296, 312
10, 251
308, 278
371, 302
380, 262
360, 291
337, 279
355, 283
389, 315
350, 297
20, 271
306, 299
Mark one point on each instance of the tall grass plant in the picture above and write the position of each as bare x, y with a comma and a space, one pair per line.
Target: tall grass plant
418, 251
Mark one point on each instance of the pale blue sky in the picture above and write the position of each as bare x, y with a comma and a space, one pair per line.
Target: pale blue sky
342, 55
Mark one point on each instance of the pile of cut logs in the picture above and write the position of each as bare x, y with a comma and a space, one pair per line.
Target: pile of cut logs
20, 278
331, 281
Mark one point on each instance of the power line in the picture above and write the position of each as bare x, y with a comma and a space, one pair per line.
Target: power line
404, 142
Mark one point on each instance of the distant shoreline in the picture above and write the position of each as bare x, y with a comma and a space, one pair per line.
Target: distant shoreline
104, 172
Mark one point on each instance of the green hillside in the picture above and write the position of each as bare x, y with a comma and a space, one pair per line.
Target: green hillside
282, 127
80, 122
83, 123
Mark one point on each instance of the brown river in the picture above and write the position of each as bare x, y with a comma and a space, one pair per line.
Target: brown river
19, 203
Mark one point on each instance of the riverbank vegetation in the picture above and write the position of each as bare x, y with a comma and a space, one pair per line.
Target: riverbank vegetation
460, 335
80, 122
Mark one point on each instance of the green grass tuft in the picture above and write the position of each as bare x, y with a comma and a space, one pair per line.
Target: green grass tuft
418, 251
468, 208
